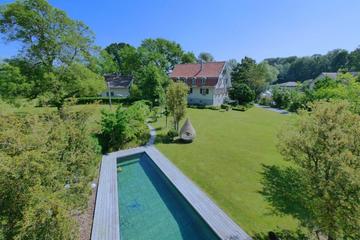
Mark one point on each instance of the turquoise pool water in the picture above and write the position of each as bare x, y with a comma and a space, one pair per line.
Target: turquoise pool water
151, 208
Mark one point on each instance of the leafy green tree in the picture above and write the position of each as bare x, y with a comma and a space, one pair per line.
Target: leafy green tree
40, 155
281, 97
354, 60
271, 73
131, 60
12, 82
163, 53
242, 93
188, 57
46, 217
324, 145
151, 83
72, 81
206, 57
176, 101
52, 42
102, 63
114, 51
338, 59
124, 126
48, 35
249, 73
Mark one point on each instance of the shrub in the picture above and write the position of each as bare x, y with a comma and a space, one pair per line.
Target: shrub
242, 93
103, 100
241, 108
211, 107
172, 133
266, 101
40, 154
227, 107
123, 126
298, 100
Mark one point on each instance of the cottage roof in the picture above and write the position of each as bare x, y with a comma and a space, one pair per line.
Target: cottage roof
209, 70
288, 84
333, 75
118, 81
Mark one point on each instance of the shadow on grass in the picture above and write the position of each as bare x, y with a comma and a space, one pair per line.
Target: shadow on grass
284, 191
281, 235
165, 139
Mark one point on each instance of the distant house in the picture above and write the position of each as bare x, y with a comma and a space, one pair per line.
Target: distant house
209, 82
287, 85
117, 86
334, 75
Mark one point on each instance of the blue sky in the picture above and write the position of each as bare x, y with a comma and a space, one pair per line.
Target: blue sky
225, 28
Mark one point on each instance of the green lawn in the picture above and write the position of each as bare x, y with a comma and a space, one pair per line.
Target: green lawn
226, 161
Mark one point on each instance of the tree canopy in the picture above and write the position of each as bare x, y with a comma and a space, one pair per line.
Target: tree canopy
255, 76
176, 101
206, 57
52, 45
324, 145
303, 68
40, 155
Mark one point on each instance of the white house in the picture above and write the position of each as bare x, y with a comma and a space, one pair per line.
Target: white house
117, 86
209, 82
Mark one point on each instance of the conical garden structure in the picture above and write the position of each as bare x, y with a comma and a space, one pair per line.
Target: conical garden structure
187, 132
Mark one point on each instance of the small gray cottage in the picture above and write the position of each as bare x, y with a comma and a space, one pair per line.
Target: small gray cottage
209, 82
117, 86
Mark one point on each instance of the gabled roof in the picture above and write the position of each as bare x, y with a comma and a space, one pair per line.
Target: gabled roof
334, 75
118, 81
288, 84
209, 70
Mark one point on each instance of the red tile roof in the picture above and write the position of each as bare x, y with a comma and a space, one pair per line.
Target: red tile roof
211, 71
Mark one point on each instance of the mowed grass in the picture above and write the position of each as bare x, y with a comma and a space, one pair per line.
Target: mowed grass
226, 160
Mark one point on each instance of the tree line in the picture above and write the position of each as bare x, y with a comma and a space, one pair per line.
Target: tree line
304, 68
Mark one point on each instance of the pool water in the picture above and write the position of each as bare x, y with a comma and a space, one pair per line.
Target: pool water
151, 208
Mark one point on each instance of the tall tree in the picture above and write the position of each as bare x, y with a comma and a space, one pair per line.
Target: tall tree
12, 82
354, 60
249, 73
206, 57
161, 52
114, 50
188, 57
51, 42
48, 35
151, 83
338, 59
176, 101
325, 145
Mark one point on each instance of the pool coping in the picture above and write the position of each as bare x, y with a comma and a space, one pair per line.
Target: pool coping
106, 216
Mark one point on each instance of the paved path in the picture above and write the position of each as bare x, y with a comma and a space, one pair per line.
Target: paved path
152, 135
278, 110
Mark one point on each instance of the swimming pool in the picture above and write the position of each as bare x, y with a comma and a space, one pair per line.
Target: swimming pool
142, 195
150, 207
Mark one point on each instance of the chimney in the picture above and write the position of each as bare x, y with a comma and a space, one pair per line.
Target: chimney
201, 64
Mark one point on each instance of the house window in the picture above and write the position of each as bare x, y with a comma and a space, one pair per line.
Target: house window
190, 91
203, 81
112, 94
193, 81
204, 91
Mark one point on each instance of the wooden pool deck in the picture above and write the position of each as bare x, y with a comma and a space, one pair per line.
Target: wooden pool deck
106, 216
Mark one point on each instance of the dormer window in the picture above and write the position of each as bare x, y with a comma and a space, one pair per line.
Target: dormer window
193, 81
203, 80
